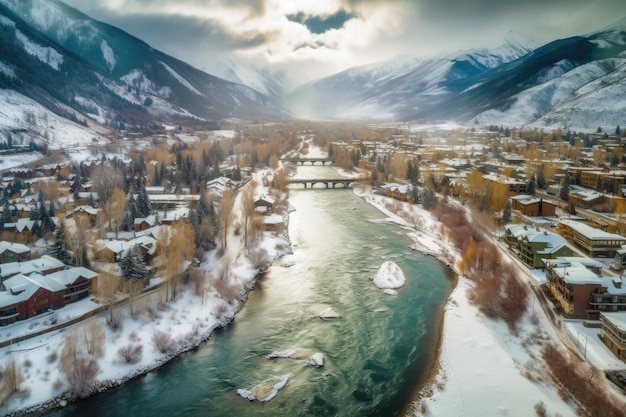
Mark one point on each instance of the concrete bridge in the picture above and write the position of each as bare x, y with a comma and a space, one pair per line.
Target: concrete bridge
302, 161
343, 183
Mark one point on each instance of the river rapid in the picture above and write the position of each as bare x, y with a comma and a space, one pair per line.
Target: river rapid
376, 354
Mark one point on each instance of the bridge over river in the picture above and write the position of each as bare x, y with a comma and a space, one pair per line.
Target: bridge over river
302, 161
328, 182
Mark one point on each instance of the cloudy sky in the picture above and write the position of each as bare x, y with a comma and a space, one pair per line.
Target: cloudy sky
313, 38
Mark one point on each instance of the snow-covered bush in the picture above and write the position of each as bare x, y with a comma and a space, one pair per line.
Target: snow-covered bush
162, 341
81, 375
131, 353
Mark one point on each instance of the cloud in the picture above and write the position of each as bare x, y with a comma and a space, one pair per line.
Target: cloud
321, 24
315, 38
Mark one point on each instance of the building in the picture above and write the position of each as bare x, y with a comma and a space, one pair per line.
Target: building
23, 296
533, 206
13, 252
588, 199
582, 291
594, 242
264, 203
534, 245
614, 337
514, 186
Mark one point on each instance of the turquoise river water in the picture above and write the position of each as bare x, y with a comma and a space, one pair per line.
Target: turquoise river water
376, 354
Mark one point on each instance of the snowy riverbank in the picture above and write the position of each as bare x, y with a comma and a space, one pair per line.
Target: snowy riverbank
483, 369
187, 322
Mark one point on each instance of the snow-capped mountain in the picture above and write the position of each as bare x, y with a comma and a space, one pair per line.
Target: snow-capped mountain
402, 85
85, 71
577, 83
274, 83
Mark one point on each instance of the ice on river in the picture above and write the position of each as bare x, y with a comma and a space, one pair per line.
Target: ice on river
314, 359
323, 311
265, 391
389, 276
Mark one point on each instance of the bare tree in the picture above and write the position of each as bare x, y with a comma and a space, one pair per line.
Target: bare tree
224, 216
12, 379
78, 239
176, 248
118, 209
248, 212
72, 348
133, 288
95, 337
106, 291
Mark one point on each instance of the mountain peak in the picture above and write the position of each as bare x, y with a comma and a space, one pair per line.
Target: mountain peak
521, 40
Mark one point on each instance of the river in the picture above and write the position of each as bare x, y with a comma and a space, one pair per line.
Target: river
376, 354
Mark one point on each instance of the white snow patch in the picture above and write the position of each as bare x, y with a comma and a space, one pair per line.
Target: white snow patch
108, 54
317, 359
5, 21
45, 54
265, 391
180, 79
7, 70
389, 276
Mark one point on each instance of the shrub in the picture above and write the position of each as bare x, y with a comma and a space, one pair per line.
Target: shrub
52, 357
162, 341
227, 292
540, 409
12, 379
130, 353
81, 375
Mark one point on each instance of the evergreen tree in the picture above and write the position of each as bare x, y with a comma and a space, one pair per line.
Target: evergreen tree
132, 264
618, 131
414, 194
428, 198
375, 181
7, 217
531, 185
565, 188
541, 179
91, 201
506, 213
599, 184
144, 208
58, 248
76, 184
609, 187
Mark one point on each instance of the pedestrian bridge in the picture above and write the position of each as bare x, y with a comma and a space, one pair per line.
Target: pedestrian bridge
303, 161
329, 183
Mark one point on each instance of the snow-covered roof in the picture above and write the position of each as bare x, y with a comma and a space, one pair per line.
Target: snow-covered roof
403, 189
503, 179
617, 319
84, 209
563, 261
577, 275
46, 262
266, 198
151, 220
526, 199
586, 195
13, 247
536, 234
68, 276
591, 232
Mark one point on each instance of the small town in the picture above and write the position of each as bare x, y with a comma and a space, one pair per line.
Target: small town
319, 209
106, 230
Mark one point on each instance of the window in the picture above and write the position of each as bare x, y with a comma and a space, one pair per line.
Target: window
8, 312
